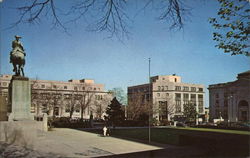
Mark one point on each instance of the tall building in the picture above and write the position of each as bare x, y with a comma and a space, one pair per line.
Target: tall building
167, 96
62, 99
231, 100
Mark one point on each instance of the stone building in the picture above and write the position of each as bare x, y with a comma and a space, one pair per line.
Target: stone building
231, 100
62, 99
167, 96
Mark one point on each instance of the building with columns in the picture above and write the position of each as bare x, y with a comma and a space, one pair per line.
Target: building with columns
64, 98
231, 100
168, 95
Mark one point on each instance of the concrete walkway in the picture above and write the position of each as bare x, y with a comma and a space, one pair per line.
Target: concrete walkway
74, 143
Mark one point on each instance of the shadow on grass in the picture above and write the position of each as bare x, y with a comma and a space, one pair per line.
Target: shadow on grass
192, 144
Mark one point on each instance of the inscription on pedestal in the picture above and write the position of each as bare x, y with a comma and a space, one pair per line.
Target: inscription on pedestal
20, 97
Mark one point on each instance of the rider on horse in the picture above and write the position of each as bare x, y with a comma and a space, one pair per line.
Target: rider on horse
17, 55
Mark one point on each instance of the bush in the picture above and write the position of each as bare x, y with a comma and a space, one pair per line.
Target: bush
165, 122
225, 125
65, 122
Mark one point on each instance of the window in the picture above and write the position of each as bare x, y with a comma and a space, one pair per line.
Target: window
43, 86
158, 94
163, 78
54, 86
175, 80
56, 111
166, 87
167, 94
159, 88
177, 96
162, 88
94, 88
193, 98
163, 105
178, 106
177, 88
217, 95
200, 97
83, 88
193, 89
77, 110
65, 87
67, 109
185, 88
4, 84
186, 96
200, 89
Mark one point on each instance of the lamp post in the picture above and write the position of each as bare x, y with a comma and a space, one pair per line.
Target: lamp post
149, 92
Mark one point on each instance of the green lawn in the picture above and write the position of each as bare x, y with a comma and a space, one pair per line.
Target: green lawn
157, 135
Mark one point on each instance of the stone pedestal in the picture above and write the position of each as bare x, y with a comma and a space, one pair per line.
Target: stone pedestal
3, 109
20, 99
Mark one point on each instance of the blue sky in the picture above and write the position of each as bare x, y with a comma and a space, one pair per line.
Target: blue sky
55, 55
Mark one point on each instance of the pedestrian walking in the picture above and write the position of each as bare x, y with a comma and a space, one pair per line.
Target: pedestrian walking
105, 131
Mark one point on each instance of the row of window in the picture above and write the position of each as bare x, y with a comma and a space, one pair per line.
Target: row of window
179, 88
178, 106
185, 96
75, 88
66, 96
142, 89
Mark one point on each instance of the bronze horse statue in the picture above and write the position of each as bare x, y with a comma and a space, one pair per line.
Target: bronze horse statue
17, 57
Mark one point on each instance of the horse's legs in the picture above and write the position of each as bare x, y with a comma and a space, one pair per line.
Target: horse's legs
22, 71
18, 70
14, 67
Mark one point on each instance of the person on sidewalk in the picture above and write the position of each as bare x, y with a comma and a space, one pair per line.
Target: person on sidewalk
105, 131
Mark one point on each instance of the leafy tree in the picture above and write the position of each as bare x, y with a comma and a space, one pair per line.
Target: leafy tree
120, 95
233, 25
190, 112
115, 114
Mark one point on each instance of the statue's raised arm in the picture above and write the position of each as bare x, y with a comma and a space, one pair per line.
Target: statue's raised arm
17, 56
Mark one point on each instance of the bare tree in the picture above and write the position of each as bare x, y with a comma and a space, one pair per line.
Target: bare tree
54, 99
165, 108
84, 101
101, 104
72, 101
109, 15
138, 104
35, 96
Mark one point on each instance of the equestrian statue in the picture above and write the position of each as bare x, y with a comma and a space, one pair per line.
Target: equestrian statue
17, 57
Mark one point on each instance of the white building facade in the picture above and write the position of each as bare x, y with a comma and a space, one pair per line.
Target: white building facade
231, 100
168, 95
79, 98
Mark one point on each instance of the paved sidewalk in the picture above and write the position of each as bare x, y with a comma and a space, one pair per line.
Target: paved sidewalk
74, 143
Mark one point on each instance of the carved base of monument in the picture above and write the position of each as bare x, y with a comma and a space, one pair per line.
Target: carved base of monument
20, 99
3, 109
